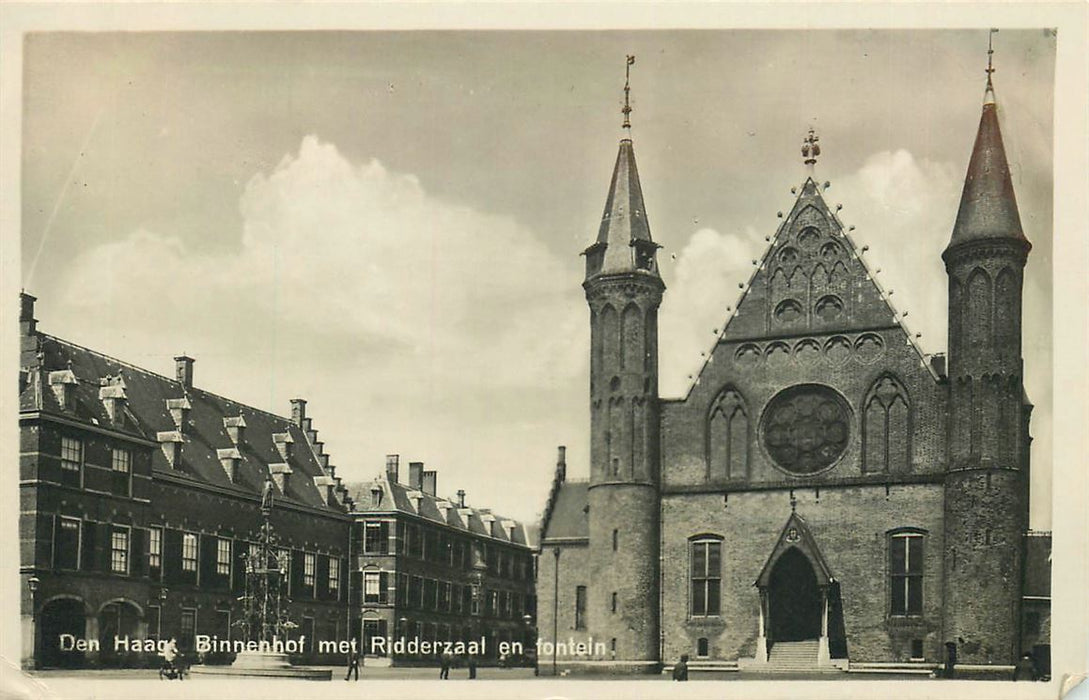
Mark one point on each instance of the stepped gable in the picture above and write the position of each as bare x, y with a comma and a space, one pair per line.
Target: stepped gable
811, 280
146, 414
568, 517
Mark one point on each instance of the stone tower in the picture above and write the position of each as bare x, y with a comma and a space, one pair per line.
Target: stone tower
986, 485
623, 290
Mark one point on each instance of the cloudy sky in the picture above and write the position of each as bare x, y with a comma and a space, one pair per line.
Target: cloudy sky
388, 224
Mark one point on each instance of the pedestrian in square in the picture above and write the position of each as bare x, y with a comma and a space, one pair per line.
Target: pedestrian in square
444, 669
472, 666
680, 671
353, 661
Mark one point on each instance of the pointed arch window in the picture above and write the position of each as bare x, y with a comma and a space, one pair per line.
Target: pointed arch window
728, 436
886, 427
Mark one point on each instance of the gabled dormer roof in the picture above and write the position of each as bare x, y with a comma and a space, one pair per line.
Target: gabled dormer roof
988, 207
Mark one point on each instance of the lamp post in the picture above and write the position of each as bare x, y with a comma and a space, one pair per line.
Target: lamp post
555, 606
159, 623
32, 584
527, 619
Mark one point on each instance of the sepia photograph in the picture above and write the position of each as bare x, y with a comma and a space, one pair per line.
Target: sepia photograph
370, 354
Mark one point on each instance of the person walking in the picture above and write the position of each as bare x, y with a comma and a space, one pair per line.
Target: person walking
444, 668
472, 666
680, 671
353, 661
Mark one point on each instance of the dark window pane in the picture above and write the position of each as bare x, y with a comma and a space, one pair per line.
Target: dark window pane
915, 595
915, 555
699, 559
713, 597
714, 565
898, 601
699, 599
897, 553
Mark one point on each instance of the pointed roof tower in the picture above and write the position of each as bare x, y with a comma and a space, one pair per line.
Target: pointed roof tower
623, 242
988, 208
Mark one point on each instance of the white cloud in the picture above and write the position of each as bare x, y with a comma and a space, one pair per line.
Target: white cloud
404, 318
362, 254
706, 275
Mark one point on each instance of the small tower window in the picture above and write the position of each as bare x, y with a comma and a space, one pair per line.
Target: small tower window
613, 602
616, 540
702, 648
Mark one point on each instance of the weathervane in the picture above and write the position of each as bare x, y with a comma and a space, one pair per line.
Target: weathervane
811, 148
990, 54
988, 94
627, 89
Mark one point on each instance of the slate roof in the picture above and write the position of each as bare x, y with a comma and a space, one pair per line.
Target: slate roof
403, 498
569, 516
145, 415
624, 219
988, 207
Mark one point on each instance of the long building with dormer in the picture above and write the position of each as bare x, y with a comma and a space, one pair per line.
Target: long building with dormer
140, 499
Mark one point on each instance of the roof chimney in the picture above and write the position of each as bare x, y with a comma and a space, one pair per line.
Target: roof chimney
415, 475
461, 498
28, 325
298, 411
183, 370
430, 482
393, 467
561, 464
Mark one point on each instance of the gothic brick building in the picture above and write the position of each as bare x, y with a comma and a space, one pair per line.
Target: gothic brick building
823, 495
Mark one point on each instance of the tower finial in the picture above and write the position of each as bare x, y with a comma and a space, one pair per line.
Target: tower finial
988, 94
627, 89
811, 148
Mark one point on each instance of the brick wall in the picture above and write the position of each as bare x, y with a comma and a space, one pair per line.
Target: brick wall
850, 526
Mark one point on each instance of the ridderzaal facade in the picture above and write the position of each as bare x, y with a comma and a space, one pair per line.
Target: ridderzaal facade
824, 496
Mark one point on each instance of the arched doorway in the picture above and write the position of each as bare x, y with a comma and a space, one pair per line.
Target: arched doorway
795, 603
116, 620
63, 616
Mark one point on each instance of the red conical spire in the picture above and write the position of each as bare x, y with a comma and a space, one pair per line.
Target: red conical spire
988, 207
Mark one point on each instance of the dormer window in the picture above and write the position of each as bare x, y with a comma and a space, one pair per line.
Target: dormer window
236, 428
63, 383
179, 411
280, 474
231, 460
644, 254
376, 496
284, 444
112, 395
171, 443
